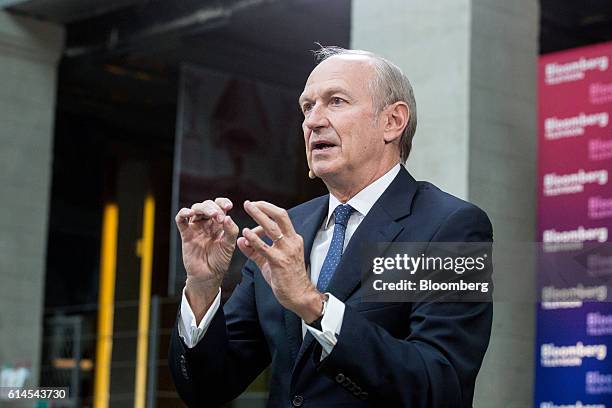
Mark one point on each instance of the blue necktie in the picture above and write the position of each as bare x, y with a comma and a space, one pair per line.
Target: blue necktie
342, 213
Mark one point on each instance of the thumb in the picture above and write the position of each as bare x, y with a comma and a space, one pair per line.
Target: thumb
250, 252
259, 260
230, 231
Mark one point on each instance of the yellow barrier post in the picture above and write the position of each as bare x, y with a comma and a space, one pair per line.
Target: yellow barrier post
145, 251
104, 343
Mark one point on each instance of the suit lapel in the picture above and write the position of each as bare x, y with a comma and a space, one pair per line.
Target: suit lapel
307, 228
380, 227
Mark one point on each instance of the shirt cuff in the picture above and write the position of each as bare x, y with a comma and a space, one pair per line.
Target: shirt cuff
187, 328
330, 325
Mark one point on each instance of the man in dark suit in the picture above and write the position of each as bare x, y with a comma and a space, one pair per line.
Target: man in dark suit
299, 305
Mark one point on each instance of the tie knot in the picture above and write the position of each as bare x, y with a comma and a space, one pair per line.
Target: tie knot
342, 213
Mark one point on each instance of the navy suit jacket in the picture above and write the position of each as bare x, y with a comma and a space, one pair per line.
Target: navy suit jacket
424, 354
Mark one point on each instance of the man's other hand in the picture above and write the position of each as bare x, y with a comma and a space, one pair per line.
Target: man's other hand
282, 263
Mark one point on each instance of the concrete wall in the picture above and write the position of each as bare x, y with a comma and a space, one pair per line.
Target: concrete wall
430, 41
472, 64
29, 52
502, 179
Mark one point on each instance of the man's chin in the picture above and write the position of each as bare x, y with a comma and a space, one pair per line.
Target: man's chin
324, 171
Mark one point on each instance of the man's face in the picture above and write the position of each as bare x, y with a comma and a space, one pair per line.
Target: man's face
341, 134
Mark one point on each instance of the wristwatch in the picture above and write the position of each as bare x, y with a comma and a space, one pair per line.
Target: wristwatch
317, 323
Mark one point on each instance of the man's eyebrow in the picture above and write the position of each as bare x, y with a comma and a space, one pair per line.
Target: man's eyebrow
326, 94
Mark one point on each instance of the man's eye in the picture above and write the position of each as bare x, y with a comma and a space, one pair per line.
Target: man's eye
306, 107
336, 100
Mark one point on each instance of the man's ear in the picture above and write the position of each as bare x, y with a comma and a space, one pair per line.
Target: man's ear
396, 119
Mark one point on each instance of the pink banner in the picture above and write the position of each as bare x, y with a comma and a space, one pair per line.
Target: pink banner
574, 329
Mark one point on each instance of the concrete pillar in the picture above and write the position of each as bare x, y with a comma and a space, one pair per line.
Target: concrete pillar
29, 53
502, 178
472, 64
430, 41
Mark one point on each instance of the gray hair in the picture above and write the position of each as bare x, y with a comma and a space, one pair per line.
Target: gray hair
390, 85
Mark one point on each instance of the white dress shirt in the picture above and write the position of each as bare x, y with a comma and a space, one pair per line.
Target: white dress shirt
331, 324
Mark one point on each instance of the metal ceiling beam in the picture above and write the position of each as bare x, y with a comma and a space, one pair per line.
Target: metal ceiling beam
68, 11
131, 27
9, 3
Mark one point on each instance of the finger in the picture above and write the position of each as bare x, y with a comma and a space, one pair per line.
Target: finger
256, 243
224, 203
261, 234
245, 248
208, 210
270, 227
182, 218
253, 255
259, 231
279, 215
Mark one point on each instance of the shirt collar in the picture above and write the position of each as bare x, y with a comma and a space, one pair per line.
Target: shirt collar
363, 201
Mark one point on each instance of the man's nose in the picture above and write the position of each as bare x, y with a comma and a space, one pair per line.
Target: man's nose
316, 118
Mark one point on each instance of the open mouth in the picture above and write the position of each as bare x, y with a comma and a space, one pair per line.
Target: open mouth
322, 146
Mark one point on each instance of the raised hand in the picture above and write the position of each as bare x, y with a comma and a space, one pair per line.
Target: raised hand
282, 263
208, 237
